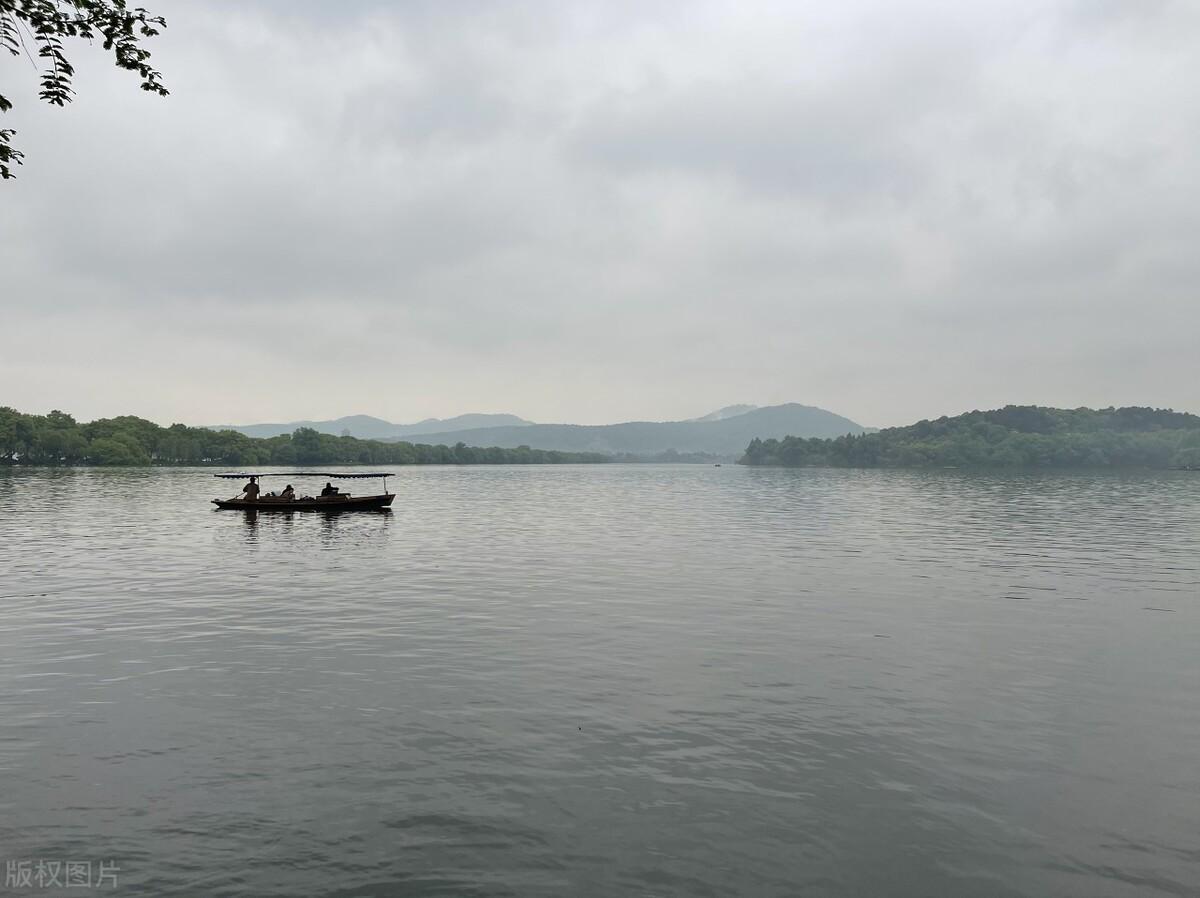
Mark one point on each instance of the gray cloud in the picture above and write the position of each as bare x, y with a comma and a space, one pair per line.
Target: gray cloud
600, 212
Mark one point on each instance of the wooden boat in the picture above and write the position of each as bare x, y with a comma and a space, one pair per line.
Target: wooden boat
335, 503
315, 503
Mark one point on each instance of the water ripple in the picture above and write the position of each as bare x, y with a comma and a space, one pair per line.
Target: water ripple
646, 680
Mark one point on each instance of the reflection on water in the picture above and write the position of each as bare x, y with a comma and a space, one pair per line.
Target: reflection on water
608, 680
331, 526
251, 518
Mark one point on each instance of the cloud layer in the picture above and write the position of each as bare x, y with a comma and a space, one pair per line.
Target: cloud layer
612, 211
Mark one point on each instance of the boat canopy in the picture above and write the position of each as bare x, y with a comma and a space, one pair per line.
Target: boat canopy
353, 476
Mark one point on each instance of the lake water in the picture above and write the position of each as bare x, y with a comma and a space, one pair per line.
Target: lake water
607, 680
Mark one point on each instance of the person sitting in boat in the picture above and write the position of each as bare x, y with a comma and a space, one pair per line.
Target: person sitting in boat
288, 493
250, 490
330, 490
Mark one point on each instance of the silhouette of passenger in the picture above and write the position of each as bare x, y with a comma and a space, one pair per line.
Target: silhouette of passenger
250, 490
288, 493
330, 490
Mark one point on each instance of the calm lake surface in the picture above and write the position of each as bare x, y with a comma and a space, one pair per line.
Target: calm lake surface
607, 680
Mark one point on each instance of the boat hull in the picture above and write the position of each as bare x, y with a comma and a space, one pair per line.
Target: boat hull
330, 503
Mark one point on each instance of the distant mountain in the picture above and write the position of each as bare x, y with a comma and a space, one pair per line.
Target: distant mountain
462, 422
730, 411
367, 428
727, 436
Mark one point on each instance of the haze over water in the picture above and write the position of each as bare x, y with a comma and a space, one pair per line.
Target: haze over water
603, 680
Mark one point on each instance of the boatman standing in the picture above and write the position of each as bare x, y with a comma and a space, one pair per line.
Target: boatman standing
251, 490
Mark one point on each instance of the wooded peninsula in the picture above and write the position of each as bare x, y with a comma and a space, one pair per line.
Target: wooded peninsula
58, 439
1016, 436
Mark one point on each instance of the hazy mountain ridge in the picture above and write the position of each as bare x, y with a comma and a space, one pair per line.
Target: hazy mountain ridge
727, 436
366, 427
729, 411
724, 432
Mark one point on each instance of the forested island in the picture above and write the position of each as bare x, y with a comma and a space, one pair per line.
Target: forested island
58, 439
1015, 436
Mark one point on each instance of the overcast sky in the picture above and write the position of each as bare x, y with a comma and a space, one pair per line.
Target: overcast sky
612, 211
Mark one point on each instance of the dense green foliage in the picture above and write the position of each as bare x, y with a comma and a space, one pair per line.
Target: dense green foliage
1014, 436
58, 439
42, 26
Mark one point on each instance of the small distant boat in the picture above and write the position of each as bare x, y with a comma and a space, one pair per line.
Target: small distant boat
338, 502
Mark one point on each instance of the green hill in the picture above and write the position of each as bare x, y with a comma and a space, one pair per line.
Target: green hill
1010, 437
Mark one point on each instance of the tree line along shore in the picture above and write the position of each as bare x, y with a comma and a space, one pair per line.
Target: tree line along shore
1010, 437
58, 439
